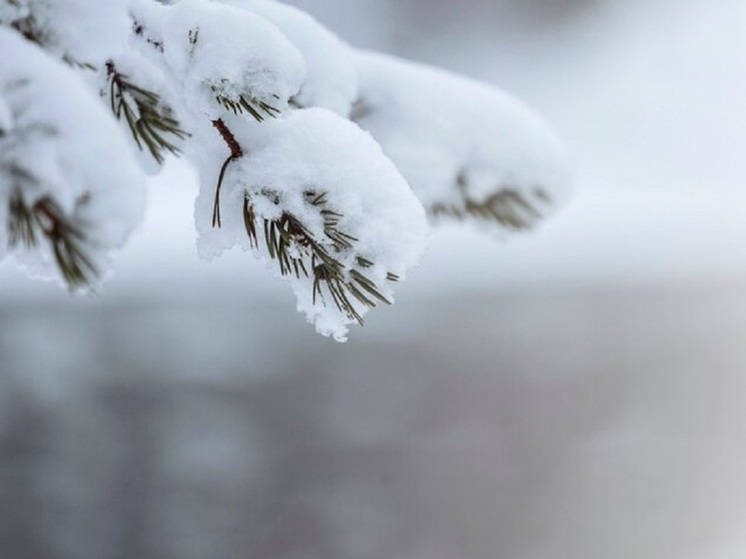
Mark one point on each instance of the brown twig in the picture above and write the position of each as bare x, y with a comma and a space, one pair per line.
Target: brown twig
236, 153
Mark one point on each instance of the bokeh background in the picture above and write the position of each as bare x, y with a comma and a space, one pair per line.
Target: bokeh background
573, 394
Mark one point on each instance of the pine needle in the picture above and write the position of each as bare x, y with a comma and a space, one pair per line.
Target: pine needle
150, 120
289, 242
45, 220
257, 108
508, 207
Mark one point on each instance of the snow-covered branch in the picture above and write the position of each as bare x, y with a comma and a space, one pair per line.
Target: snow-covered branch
467, 150
320, 159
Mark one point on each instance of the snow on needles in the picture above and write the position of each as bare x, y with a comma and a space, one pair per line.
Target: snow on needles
316, 167
305, 188
467, 150
315, 157
78, 31
331, 80
216, 50
58, 143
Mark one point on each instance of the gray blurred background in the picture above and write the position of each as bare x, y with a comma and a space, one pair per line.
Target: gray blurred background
576, 394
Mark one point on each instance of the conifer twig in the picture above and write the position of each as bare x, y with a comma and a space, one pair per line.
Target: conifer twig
149, 120
299, 253
236, 152
257, 108
46, 220
508, 206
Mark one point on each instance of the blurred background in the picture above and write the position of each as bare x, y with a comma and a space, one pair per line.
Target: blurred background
576, 393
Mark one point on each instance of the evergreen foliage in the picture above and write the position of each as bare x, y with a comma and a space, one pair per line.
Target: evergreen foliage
149, 119
507, 206
296, 250
45, 221
340, 211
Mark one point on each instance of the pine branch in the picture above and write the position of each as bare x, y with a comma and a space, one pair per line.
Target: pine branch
235, 153
70, 61
149, 120
255, 107
299, 253
508, 206
45, 220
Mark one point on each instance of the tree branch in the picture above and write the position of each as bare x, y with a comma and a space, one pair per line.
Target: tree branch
236, 153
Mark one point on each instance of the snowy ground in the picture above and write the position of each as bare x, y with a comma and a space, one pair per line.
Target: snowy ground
573, 394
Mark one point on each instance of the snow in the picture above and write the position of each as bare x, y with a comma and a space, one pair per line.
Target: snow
13, 12
138, 69
217, 50
66, 142
287, 157
84, 31
456, 140
316, 151
264, 93
6, 117
331, 80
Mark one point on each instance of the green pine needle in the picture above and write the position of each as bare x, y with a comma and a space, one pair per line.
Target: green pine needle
508, 207
257, 108
297, 252
150, 121
45, 220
